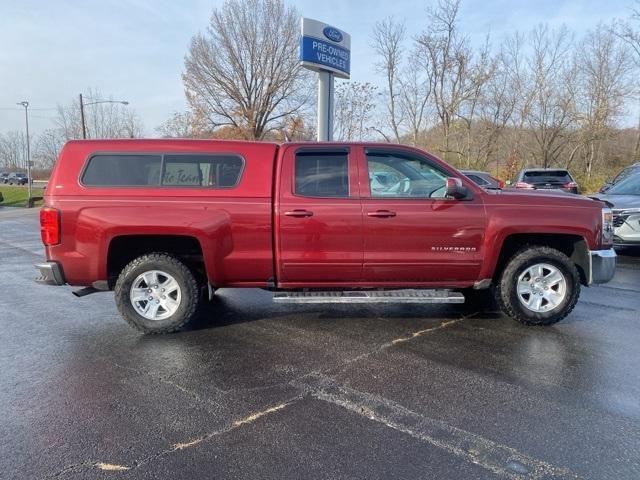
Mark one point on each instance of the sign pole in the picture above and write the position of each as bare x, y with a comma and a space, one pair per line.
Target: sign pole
326, 50
325, 106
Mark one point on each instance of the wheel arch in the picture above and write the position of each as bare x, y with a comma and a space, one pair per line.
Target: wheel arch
123, 249
573, 246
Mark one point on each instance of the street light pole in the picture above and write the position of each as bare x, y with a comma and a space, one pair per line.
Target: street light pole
82, 105
25, 104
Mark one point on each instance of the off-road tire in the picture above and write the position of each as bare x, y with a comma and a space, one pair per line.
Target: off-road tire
506, 287
190, 293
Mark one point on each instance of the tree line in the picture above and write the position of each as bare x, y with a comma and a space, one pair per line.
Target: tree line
546, 97
543, 98
540, 98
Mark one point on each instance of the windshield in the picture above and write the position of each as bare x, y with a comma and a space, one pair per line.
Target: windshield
629, 186
626, 173
547, 176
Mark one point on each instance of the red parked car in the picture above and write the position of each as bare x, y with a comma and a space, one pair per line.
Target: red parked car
164, 223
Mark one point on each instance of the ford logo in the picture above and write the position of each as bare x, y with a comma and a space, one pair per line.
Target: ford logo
332, 34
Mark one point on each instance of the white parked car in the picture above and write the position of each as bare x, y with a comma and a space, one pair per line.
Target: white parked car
625, 200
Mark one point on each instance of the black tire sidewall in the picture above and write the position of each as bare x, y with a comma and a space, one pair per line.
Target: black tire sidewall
189, 292
508, 295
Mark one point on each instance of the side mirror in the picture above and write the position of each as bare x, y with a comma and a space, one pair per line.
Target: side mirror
455, 189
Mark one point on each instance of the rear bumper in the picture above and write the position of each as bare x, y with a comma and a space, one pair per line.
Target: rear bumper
602, 265
50, 273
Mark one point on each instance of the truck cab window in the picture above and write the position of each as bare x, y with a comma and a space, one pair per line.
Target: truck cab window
395, 175
322, 174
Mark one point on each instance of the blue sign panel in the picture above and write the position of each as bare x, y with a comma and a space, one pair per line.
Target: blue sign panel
325, 54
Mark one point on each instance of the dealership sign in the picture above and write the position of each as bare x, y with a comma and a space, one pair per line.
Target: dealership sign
325, 48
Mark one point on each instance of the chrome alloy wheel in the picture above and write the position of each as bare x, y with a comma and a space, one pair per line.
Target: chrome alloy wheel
541, 287
155, 295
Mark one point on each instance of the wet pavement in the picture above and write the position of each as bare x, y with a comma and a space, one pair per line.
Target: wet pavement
258, 390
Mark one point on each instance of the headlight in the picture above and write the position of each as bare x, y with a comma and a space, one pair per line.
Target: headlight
607, 226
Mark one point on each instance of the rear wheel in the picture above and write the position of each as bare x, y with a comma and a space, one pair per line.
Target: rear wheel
157, 293
539, 286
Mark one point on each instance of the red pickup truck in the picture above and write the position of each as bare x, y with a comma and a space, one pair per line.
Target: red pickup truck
164, 223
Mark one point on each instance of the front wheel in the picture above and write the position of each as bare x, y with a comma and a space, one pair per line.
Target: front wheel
539, 286
157, 293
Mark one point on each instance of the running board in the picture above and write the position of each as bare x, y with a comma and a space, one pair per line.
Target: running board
370, 296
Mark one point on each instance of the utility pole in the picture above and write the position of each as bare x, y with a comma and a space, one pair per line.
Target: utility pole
25, 104
82, 105
84, 128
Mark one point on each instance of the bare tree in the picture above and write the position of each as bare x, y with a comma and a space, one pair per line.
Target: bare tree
102, 120
387, 40
47, 146
244, 71
551, 113
480, 73
297, 128
13, 150
354, 104
415, 95
628, 31
604, 85
455, 80
521, 89
184, 125
497, 105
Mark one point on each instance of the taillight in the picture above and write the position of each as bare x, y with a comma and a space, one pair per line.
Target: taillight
570, 185
523, 185
50, 226
498, 181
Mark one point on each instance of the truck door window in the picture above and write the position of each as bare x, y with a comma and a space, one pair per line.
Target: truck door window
322, 174
396, 175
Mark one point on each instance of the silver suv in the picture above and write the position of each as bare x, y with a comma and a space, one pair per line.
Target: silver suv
625, 200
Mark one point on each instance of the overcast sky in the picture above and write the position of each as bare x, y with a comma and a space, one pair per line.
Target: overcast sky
51, 50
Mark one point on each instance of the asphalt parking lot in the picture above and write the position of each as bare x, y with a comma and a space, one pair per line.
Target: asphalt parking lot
258, 390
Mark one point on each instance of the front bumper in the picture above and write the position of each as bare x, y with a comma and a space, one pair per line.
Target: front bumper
602, 265
50, 274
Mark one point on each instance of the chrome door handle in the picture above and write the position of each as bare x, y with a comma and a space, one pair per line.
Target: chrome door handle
298, 213
382, 213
